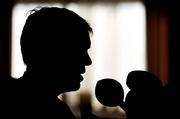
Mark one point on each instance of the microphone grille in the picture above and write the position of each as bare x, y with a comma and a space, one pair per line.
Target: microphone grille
109, 92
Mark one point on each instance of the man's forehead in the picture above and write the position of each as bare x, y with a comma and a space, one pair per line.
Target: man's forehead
86, 41
82, 38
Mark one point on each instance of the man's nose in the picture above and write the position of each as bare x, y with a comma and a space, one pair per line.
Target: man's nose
88, 60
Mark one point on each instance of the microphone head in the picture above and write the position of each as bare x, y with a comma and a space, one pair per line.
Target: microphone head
139, 79
109, 92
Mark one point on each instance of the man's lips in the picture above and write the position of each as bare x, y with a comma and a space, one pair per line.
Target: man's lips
81, 78
82, 71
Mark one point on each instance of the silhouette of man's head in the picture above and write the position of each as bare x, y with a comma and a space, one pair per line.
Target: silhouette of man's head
54, 45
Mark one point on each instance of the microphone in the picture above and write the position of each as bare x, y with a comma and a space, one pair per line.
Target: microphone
109, 92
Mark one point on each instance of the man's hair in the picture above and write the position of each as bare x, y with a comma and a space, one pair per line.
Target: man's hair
45, 24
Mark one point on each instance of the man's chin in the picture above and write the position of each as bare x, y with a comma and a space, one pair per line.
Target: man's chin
76, 87
72, 88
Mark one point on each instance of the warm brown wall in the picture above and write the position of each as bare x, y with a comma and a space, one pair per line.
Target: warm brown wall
157, 39
163, 35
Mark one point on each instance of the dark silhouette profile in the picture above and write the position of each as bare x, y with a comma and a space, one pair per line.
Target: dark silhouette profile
54, 44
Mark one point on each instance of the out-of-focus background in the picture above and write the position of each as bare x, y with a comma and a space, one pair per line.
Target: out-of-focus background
127, 35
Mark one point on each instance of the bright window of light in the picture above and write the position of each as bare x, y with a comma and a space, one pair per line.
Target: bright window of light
118, 41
